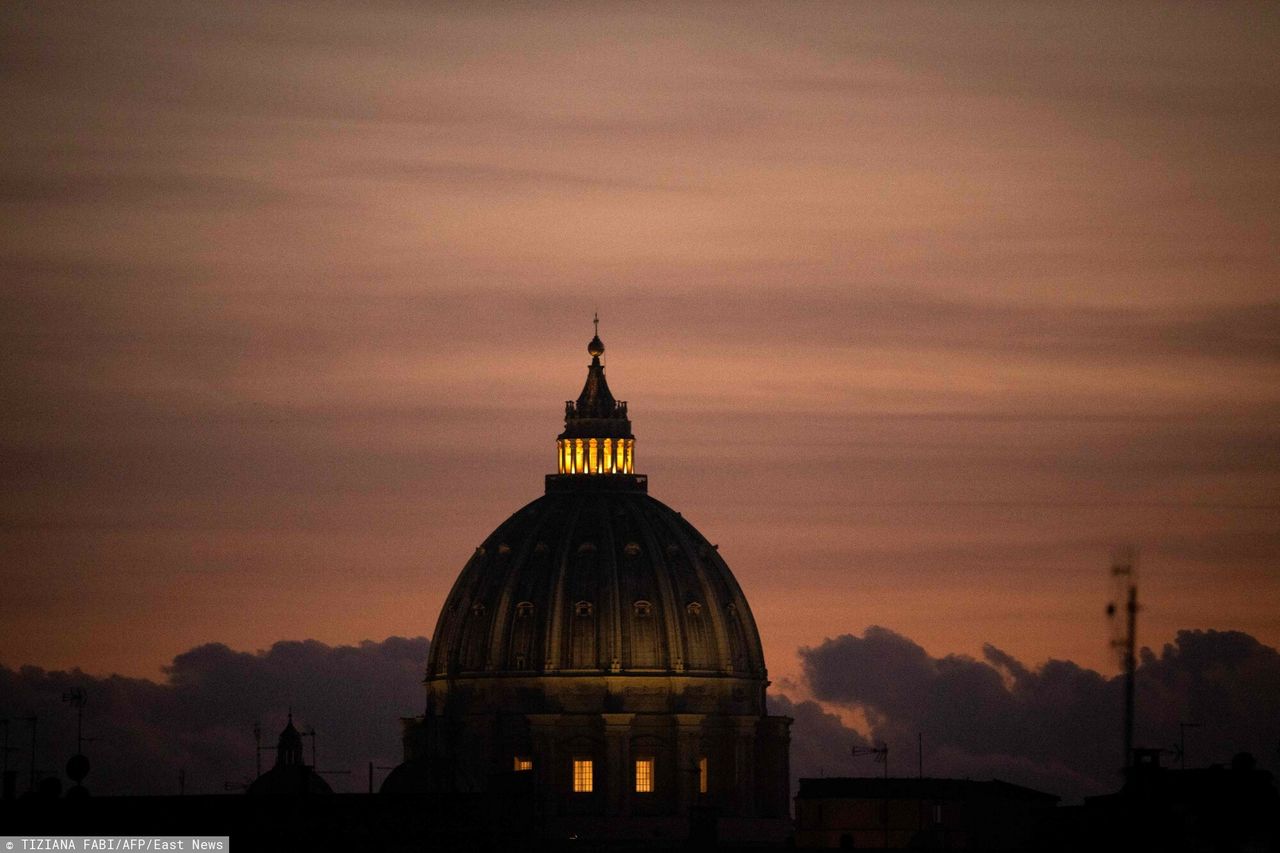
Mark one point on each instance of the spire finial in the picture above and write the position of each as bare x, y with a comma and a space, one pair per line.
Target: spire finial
596, 348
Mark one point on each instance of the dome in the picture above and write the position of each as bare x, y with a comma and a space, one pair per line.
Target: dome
597, 654
290, 775
596, 577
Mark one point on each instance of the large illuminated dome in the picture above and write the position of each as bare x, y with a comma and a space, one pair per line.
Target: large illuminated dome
597, 647
596, 576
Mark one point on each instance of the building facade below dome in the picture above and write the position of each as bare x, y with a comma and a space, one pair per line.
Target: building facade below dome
597, 649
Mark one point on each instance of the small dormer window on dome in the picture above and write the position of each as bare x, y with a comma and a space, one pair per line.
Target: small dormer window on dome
597, 435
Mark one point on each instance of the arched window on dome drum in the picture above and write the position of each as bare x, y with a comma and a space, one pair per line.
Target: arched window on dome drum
701, 652
591, 457
642, 639
582, 637
522, 635
577, 456
607, 467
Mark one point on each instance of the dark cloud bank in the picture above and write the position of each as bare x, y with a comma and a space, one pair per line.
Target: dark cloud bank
201, 718
1058, 727
1055, 728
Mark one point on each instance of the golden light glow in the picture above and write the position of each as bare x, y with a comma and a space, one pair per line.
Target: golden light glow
595, 456
583, 776
702, 775
521, 763
644, 775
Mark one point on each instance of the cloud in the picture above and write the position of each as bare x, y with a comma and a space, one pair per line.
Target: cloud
200, 719
1057, 726
820, 741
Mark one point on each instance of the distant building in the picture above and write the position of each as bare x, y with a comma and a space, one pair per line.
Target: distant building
949, 814
290, 775
1219, 808
597, 649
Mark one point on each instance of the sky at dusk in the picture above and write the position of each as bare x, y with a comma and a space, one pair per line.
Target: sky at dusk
919, 310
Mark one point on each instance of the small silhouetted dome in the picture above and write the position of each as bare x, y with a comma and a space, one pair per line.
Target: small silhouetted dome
290, 780
589, 579
290, 775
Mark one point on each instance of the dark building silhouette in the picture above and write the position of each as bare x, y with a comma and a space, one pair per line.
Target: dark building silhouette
1234, 808
597, 649
930, 814
291, 775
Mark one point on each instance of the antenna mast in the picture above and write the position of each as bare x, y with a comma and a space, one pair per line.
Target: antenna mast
1124, 577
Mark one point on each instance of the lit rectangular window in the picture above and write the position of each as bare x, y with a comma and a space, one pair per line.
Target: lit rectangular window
702, 775
583, 776
522, 763
644, 775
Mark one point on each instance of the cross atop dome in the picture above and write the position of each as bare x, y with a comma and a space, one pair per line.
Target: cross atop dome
596, 348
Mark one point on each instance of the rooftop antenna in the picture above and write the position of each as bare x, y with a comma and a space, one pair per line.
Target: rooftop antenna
258, 747
311, 733
1124, 578
33, 720
77, 699
7, 783
373, 767
881, 756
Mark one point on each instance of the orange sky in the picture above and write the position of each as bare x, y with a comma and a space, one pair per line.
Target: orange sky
919, 310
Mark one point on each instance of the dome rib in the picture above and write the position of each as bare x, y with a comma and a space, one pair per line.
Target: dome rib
556, 607
611, 660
